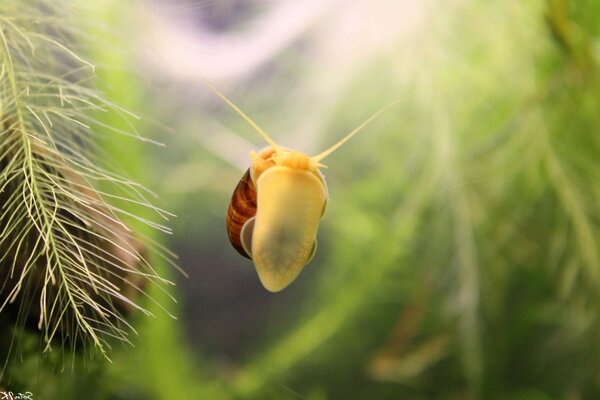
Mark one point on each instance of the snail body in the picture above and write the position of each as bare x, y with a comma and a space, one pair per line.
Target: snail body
276, 208
275, 221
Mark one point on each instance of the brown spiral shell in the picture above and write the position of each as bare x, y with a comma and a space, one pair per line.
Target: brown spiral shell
242, 207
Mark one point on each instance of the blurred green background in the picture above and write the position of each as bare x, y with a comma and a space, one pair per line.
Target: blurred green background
458, 258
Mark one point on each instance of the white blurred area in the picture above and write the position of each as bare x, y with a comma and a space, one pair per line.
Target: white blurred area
320, 45
342, 35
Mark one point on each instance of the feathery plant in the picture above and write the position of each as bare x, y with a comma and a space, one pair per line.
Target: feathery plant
69, 267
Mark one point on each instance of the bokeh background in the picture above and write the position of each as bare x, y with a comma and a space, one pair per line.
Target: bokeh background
458, 258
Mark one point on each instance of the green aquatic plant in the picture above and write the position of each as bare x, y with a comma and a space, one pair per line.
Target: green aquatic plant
70, 268
458, 257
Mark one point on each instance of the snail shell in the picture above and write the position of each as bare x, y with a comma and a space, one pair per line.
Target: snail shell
242, 207
243, 204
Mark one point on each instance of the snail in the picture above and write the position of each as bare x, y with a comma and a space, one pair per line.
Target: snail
276, 208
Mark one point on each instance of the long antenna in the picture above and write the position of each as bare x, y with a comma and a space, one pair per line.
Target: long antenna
349, 135
246, 118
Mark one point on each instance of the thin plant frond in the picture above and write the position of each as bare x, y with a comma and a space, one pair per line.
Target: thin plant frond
69, 265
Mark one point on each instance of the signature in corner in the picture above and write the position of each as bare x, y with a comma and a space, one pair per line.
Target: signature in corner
16, 396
